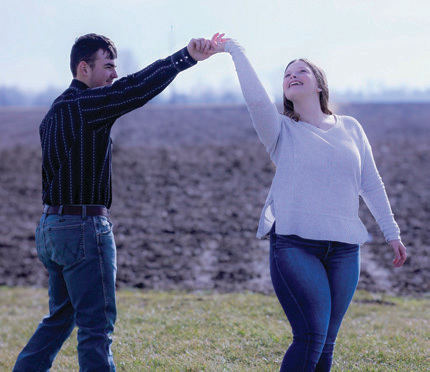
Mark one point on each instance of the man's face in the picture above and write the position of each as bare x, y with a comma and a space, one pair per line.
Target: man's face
103, 72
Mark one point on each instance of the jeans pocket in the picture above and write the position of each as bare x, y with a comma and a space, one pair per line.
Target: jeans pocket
106, 237
285, 241
106, 225
66, 244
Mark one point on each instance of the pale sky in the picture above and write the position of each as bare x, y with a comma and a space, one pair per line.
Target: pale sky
361, 45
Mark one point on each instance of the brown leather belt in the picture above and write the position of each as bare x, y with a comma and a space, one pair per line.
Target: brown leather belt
77, 210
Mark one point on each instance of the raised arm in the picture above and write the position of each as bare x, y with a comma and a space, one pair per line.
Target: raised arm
264, 113
133, 91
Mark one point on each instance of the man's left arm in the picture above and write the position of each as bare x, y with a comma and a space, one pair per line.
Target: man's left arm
108, 103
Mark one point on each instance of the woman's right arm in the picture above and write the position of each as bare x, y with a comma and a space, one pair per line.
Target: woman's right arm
264, 114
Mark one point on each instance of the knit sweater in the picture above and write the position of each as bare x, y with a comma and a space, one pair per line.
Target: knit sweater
319, 174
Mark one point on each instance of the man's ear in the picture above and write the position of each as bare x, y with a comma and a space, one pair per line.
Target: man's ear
83, 68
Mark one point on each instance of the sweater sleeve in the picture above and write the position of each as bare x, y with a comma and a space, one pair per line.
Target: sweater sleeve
264, 115
374, 194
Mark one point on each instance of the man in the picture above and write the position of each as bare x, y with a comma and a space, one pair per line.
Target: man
74, 238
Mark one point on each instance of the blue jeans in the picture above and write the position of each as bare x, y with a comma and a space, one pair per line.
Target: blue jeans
314, 281
80, 256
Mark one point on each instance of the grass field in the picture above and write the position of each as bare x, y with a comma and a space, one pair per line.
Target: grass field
160, 331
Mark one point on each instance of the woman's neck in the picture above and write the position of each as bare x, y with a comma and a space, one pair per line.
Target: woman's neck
310, 112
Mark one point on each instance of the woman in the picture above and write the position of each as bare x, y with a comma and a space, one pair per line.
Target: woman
324, 162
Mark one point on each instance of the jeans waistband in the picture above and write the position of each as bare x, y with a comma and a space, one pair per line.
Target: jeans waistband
77, 210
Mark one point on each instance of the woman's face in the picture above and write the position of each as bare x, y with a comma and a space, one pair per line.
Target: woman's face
299, 81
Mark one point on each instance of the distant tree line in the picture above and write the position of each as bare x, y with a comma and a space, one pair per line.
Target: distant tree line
12, 96
387, 95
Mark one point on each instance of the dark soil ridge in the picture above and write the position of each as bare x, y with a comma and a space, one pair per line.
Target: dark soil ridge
189, 185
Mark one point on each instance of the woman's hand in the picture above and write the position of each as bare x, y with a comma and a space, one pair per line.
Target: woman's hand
218, 43
399, 252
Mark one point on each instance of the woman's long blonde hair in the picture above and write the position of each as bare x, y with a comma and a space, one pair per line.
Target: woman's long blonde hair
322, 84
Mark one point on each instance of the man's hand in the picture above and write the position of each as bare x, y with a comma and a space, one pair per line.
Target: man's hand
200, 49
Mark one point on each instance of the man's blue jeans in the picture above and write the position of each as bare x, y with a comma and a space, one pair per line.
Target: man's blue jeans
314, 281
80, 256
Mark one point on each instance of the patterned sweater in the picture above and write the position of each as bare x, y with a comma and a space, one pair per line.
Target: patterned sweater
319, 174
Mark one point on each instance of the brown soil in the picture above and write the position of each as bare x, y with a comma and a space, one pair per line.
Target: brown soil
189, 185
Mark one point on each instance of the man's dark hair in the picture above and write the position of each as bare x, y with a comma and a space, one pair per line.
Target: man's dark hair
86, 48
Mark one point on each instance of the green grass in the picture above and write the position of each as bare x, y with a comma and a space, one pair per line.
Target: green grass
159, 331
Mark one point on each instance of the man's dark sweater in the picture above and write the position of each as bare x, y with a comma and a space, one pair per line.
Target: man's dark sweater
75, 133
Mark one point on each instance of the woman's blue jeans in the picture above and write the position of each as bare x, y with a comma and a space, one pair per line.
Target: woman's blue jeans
80, 256
314, 281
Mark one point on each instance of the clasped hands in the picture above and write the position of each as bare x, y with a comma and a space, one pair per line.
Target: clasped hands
201, 49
